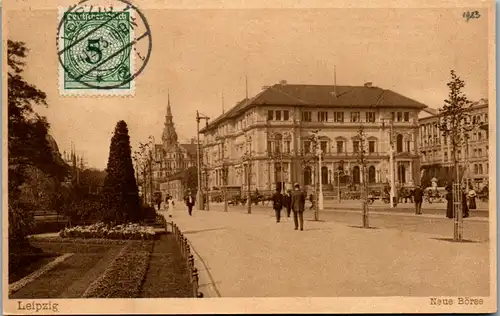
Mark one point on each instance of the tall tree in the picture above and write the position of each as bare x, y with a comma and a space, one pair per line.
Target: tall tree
28, 144
454, 118
191, 178
362, 160
120, 195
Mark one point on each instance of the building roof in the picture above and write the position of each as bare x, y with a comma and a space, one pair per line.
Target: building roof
321, 95
435, 113
190, 148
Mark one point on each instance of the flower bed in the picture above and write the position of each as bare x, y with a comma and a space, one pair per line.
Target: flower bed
101, 230
124, 276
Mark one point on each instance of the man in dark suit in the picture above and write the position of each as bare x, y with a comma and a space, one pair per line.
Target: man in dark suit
298, 206
189, 199
418, 195
278, 203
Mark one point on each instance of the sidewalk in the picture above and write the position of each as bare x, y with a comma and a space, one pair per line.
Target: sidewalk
253, 256
406, 212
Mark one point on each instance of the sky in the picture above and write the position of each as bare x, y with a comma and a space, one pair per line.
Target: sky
200, 54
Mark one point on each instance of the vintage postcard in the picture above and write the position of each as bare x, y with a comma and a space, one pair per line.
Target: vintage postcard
218, 156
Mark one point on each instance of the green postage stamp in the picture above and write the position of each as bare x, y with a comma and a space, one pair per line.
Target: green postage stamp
97, 49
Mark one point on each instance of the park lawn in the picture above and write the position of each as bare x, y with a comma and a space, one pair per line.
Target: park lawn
167, 274
70, 278
30, 264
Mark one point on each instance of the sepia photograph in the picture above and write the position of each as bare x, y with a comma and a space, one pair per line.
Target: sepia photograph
249, 157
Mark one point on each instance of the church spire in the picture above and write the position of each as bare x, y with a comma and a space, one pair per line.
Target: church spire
169, 136
169, 109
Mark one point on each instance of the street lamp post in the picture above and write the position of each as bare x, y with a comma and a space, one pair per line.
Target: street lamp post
199, 192
249, 173
224, 173
391, 161
320, 197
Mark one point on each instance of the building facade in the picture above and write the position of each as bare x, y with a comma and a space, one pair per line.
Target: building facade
171, 159
272, 131
436, 150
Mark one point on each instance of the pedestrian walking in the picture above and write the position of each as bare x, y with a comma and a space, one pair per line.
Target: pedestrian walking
418, 194
189, 202
298, 206
472, 199
465, 207
311, 199
169, 204
449, 205
288, 202
278, 204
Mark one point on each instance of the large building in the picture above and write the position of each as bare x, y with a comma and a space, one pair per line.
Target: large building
171, 159
274, 129
436, 150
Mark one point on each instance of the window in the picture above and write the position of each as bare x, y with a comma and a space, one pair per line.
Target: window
476, 169
307, 146
474, 154
355, 146
445, 156
338, 117
487, 167
479, 136
286, 115
269, 146
355, 117
407, 147
371, 146
322, 116
287, 146
324, 146
370, 117
480, 168
445, 140
270, 116
340, 147
400, 116
399, 143
278, 115
486, 118
480, 152
393, 116
406, 116
306, 116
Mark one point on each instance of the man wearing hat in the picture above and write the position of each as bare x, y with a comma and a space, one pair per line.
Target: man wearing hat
298, 205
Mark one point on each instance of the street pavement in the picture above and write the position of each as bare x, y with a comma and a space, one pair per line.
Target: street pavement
250, 255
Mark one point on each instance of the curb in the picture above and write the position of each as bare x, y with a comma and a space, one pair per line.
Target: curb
194, 276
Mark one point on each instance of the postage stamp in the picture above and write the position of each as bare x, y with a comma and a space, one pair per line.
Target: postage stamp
288, 157
97, 48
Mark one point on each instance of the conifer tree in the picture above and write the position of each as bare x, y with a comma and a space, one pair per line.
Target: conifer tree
120, 195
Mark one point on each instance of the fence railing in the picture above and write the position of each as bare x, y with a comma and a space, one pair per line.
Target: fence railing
186, 254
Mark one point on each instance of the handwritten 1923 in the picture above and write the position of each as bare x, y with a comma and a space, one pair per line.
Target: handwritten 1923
469, 15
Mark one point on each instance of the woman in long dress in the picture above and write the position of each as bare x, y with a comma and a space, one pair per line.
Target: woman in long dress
472, 199
170, 206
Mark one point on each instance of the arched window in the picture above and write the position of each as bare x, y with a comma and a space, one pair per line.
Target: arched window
371, 174
324, 175
356, 175
399, 143
307, 176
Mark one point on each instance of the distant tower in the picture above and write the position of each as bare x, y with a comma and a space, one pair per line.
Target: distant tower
169, 136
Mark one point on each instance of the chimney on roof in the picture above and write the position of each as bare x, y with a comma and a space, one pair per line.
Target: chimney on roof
283, 82
369, 84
